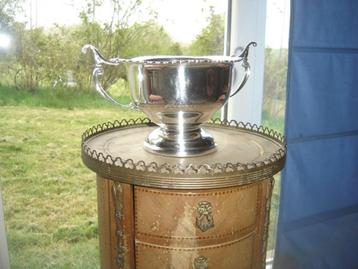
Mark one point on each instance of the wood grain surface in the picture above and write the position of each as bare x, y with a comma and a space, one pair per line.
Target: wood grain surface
159, 226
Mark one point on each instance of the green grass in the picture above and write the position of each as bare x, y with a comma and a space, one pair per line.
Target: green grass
59, 98
276, 123
49, 195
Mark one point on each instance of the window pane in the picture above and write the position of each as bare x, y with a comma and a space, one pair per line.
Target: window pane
273, 113
47, 100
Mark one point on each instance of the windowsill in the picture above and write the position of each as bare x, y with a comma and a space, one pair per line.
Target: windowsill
269, 260
269, 263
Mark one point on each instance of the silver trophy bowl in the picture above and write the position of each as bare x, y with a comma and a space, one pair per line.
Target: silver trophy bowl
178, 93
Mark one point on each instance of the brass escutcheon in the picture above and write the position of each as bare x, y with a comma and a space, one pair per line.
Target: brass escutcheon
201, 262
204, 218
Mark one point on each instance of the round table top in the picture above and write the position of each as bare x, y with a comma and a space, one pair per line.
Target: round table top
244, 154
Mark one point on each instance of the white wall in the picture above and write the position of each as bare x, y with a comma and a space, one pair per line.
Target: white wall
4, 257
248, 24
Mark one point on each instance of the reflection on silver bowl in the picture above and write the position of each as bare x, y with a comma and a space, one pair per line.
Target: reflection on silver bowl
178, 93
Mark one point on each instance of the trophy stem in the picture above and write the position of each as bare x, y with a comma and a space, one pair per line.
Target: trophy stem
185, 132
179, 141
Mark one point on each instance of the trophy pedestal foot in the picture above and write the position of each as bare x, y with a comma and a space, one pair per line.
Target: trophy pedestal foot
187, 144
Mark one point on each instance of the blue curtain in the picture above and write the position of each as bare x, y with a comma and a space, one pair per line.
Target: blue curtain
318, 215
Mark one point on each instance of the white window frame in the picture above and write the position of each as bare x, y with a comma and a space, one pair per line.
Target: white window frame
245, 22
4, 254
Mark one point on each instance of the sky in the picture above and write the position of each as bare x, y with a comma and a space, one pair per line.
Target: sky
183, 19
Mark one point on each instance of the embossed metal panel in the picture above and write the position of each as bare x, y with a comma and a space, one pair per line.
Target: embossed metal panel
233, 212
230, 255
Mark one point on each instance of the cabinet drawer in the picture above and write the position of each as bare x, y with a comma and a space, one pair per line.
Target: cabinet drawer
199, 217
231, 255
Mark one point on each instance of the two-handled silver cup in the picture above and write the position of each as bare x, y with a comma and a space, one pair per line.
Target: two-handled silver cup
178, 93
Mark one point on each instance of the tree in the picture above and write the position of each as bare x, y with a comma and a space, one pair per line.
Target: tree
8, 9
275, 81
45, 57
211, 39
30, 58
119, 38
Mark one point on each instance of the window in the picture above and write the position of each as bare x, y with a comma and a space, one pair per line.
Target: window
49, 198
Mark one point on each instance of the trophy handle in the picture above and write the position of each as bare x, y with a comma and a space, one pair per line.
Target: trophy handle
98, 72
245, 64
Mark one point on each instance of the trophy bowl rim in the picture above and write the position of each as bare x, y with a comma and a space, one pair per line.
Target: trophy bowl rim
183, 59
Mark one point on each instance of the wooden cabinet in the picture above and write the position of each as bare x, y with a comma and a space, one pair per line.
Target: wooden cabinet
179, 229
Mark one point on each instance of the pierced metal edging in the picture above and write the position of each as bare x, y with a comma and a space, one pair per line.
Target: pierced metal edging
166, 169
